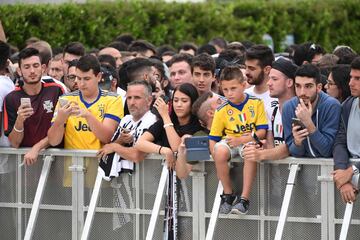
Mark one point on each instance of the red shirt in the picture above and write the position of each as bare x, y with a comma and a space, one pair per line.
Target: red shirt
37, 125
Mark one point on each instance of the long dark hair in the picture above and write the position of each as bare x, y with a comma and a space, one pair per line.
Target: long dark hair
189, 90
341, 76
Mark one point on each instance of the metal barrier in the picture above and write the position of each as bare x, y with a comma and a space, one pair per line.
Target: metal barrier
35, 198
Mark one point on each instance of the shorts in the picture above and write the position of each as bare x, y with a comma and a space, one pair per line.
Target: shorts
233, 152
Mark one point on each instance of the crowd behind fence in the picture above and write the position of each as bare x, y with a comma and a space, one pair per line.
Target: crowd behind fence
125, 205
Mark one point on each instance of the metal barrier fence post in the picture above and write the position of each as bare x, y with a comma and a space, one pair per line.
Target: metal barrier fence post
261, 225
77, 170
331, 205
38, 197
324, 179
286, 201
214, 213
157, 203
92, 206
136, 175
19, 198
198, 199
348, 212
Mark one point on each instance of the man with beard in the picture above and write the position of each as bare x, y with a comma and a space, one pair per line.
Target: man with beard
28, 110
318, 116
70, 78
131, 127
258, 60
281, 86
347, 143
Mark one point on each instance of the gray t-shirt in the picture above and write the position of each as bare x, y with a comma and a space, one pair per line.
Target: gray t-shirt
353, 131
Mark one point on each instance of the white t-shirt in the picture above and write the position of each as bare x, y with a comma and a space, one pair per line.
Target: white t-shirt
122, 94
6, 86
269, 103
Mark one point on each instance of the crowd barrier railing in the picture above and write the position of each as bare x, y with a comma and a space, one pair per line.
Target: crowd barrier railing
292, 198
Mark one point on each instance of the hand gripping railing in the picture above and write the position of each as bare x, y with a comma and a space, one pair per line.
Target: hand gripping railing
348, 212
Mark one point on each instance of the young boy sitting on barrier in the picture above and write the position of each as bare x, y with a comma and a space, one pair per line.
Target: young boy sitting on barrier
233, 123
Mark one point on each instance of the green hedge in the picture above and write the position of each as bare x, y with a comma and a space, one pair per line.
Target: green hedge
328, 23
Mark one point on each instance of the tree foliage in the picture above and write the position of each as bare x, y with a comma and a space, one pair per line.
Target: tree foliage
328, 23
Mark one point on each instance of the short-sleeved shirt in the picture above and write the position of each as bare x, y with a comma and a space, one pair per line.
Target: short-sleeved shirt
37, 125
159, 133
114, 164
78, 134
277, 126
235, 120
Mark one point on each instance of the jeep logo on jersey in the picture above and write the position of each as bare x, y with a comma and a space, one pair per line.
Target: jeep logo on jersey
245, 128
48, 106
82, 127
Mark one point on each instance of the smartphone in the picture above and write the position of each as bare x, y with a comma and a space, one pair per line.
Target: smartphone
125, 130
256, 138
154, 110
297, 122
197, 148
26, 102
63, 102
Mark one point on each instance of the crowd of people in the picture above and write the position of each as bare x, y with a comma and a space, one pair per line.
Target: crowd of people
129, 98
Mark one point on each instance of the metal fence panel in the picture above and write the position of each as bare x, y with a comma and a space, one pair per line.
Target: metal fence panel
125, 204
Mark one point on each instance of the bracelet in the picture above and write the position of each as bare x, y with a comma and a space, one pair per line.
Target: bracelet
168, 125
17, 130
160, 149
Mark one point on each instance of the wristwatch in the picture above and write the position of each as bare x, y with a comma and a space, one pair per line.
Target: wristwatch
355, 170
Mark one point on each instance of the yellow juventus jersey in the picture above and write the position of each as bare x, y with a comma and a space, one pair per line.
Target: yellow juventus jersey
235, 120
78, 134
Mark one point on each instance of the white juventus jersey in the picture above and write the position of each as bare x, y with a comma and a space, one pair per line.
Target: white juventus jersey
269, 102
114, 163
277, 126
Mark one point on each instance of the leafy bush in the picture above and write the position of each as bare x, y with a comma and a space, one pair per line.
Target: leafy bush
328, 23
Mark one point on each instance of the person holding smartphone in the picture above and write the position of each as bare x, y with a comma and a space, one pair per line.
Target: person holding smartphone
281, 86
204, 108
317, 111
89, 118
30, 107
164, 136
121, 151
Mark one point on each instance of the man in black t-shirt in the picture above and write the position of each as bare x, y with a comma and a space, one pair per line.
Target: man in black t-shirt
28, 110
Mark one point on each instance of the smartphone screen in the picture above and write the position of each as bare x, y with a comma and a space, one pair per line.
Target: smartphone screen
25, 102
297, 122
197, 148
63, 102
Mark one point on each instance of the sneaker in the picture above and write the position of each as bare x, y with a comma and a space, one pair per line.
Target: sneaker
241, 206
226, 203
